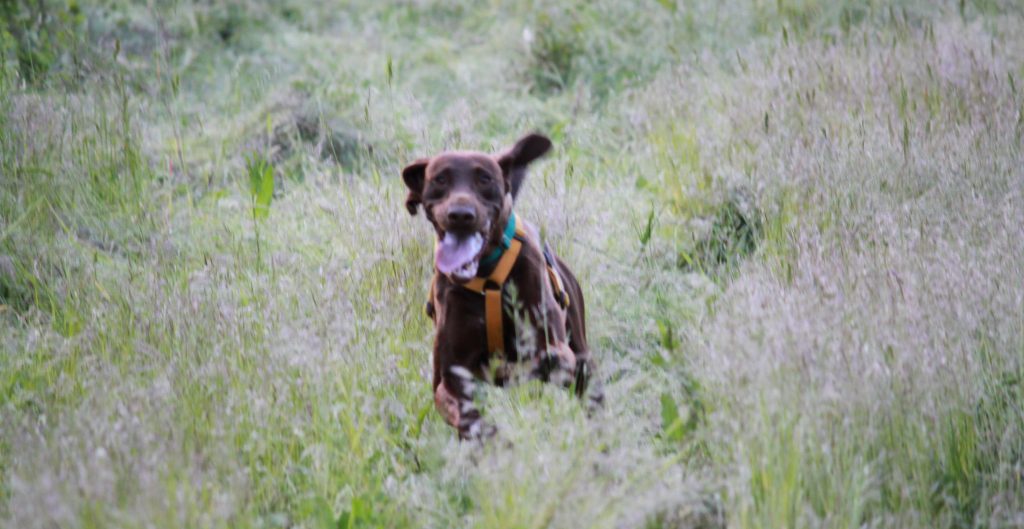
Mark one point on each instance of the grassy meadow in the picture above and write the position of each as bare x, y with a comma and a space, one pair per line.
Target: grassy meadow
798, 224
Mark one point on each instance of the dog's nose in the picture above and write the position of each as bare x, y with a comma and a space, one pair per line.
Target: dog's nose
461, 214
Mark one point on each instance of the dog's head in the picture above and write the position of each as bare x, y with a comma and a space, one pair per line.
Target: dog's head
468, 197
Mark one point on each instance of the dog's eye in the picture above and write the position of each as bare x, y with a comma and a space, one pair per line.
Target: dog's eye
483, 177
441, 179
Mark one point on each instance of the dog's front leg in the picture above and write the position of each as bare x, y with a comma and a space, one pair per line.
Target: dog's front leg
453, 398
447, 404
554, 360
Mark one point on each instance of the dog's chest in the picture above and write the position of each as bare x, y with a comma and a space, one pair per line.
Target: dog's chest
461, 322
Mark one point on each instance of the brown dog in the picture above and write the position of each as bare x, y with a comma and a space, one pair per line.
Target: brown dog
482, 248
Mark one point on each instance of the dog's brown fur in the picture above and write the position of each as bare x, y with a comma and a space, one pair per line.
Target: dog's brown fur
473, 191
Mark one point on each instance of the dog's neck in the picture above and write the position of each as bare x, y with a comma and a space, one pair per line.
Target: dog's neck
498, 229
495, 240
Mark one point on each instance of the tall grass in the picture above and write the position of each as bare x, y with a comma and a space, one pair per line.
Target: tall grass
797, 226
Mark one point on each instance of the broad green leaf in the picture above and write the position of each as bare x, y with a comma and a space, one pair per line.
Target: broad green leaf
265, 193
673, 424
261, 185
345, 521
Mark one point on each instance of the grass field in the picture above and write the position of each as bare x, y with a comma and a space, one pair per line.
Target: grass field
799, 227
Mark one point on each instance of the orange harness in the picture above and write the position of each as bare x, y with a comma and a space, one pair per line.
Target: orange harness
492, 286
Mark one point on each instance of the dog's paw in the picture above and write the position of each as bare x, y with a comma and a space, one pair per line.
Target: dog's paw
477, 430
556, 365
595, 399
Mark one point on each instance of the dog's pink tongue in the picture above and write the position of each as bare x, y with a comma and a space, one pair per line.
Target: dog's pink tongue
453, 252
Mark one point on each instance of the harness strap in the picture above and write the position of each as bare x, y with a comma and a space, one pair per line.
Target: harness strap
492, 286
561, 296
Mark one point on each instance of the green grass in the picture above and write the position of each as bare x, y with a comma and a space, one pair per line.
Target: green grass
796, 223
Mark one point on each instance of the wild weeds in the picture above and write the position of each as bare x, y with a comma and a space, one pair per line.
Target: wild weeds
854, 168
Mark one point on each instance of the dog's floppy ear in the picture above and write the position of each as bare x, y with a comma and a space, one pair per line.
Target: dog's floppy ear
513, 162
413, 174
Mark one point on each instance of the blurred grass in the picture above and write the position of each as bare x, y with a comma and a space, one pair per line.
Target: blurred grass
797, 224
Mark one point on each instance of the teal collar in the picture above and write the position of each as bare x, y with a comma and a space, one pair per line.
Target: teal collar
488, 261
